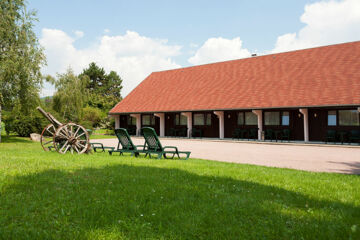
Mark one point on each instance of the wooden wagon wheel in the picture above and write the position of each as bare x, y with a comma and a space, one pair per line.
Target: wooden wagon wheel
71, 137
47, 137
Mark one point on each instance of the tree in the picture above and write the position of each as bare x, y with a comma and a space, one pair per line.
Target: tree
71, 94
21, 57
104, 89
97, 77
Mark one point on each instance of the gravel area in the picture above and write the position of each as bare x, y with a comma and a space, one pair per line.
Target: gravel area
317, 158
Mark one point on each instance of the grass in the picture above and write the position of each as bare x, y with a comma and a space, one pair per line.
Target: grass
92, 136
50, 196
102, 134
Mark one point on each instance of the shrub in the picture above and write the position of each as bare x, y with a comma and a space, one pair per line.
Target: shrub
24, 125
87, 124
93, 115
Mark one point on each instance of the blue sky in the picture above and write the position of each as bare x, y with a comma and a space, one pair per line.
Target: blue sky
135, 38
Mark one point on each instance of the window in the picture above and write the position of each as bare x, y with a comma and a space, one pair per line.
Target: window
250, 118
331, 118
148, 120
199, 119
272, 118
131, 121
208, 119
285, 119
348, 118
183, 120
240, 119
180, 119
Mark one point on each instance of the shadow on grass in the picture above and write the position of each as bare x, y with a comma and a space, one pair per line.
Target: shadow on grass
145, 202
14, 139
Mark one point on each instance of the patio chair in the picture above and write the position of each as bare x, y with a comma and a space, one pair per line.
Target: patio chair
127, 146
132, 130
269, 134
354, 136
172, 132
182, 132
153, 146
253, 133
236, 133
97, 146
197, 131
330, 136
286, 134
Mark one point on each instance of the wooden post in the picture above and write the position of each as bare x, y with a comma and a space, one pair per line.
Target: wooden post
162, 123
220, 115
305, 113
138, 123
260, 122
189, 122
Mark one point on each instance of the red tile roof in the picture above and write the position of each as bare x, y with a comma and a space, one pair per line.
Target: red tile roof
322, 76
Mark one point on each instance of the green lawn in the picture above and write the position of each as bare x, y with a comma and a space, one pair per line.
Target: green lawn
92, 136
101, 134
50, 196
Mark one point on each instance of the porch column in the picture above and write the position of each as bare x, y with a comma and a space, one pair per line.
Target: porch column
260, 122
358, 109
188, 115
304, 112
117, 121
138, 122
162, 123
220, 115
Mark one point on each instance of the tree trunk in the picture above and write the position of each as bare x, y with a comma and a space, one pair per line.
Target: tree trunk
0, 124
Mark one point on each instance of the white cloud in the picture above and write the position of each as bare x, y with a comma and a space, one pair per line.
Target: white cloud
79, 34
131, 55
327, 22
219, 49
106, 30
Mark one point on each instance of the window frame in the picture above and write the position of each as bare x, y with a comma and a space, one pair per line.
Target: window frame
207, 119
279, 118
130, 121
342, 125
245, 122
151, 121
243, 118
178, 117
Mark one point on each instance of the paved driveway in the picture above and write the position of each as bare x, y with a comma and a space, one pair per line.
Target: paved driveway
298, 156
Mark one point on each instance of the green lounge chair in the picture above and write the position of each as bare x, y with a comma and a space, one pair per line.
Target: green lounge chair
127, 146
97, 146
153, 146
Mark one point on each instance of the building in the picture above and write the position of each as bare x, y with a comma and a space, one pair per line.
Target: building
309, 92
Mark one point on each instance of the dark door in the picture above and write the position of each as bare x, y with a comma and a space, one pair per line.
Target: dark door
317, 124
297, 123
157, 126
215, 126
230, 123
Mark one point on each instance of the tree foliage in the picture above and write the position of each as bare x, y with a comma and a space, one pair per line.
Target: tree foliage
21, 57
71, 95
104, 89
